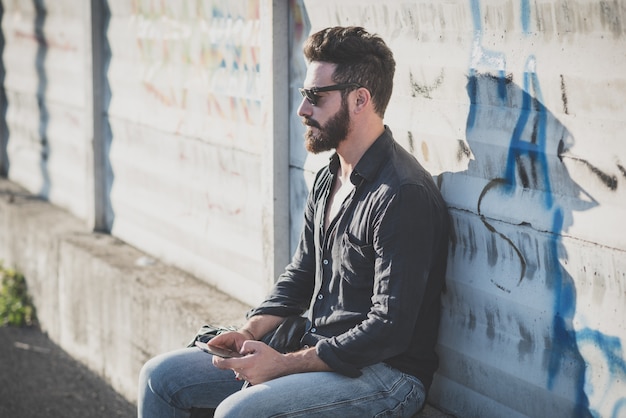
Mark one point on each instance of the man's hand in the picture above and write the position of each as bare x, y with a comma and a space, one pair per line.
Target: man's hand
259, 364
233, 340
262, 363
255, 328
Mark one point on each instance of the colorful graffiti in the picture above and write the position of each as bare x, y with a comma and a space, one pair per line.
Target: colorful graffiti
195, 74
537, 146
201, 60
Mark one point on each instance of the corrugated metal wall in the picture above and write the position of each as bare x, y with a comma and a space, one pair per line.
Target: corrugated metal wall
517, 107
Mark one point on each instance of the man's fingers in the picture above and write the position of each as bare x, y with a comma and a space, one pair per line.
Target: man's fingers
222, 363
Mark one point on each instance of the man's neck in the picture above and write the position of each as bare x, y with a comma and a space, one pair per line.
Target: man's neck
354, 146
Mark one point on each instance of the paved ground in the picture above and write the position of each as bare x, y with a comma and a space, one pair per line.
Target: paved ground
38, 379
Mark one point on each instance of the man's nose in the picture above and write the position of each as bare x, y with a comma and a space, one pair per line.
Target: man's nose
305, 108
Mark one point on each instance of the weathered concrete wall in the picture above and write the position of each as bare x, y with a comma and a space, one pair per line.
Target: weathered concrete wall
183, 125
187, 123
106, 303
45, 81
518, 108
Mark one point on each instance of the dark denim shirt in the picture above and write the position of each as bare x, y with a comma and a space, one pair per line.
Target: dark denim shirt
372, 282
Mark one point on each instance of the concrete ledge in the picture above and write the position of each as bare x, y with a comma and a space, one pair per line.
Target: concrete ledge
104, 302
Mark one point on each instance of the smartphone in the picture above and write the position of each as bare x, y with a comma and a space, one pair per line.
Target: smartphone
217, 351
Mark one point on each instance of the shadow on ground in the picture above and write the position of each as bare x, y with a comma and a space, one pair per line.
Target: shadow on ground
38, 379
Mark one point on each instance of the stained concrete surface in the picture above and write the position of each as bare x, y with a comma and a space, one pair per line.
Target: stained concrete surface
38, 379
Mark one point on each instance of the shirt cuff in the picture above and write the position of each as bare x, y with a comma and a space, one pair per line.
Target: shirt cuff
325, 351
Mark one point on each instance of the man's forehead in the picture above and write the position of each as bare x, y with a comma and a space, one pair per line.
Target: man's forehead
319, 74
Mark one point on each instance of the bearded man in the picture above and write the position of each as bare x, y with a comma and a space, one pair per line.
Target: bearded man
368, 271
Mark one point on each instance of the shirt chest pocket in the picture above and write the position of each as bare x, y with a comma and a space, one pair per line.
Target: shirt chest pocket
357, 261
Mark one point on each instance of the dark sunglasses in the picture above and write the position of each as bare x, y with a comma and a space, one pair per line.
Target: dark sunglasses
312, 96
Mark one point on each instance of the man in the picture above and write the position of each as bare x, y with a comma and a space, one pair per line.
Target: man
369, 269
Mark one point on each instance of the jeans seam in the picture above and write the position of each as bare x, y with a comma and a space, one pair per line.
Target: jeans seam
329, 406
413, 394
378, 395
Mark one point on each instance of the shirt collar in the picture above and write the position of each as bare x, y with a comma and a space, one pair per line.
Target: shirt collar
369, 164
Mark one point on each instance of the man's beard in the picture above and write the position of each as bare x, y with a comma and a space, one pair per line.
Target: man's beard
331, 134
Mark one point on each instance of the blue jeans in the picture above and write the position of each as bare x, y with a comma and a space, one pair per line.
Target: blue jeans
172, 383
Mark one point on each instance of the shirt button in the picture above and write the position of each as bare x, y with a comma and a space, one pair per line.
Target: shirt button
325, 262
313, 329
320, 297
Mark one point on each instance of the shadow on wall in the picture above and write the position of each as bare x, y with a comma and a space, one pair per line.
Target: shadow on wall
4, 130
299, 30
534, 175
101, 120
102, 135
42, 84
537, 141
518, 145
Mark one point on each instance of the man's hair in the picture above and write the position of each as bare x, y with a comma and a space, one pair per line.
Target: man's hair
361, 58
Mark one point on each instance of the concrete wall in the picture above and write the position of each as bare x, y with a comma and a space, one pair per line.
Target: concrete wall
189, 118
45, 83
143, 118
191, 122
516, 107
105, 302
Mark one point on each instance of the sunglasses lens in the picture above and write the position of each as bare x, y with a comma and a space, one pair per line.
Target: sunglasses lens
309, 95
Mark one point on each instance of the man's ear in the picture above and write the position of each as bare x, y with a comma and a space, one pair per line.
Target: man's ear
363, 98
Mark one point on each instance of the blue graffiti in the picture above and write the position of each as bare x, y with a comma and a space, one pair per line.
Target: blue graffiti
536, 147
564, 337
611, 348
525, 12
534, 112
486, 58
529, 141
